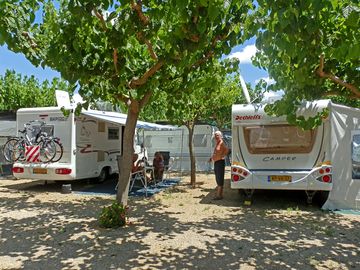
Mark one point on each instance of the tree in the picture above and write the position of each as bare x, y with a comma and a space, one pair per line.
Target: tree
197, 95
311, 49
20, 92
122, 51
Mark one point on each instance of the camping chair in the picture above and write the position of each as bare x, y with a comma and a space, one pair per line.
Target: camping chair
168, 162
138, 176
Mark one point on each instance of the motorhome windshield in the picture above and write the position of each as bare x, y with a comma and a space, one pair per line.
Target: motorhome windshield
278, 139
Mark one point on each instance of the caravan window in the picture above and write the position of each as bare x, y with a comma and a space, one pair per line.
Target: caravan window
278, 139
355, 153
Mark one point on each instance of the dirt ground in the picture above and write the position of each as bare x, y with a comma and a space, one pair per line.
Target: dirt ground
179, 228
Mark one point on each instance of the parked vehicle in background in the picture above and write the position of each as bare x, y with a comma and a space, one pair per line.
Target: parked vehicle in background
268, 153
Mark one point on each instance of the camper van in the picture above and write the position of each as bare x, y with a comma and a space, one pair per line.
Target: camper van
176, 143
91, 142
268, 153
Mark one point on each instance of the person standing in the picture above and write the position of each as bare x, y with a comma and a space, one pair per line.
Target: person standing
218, 157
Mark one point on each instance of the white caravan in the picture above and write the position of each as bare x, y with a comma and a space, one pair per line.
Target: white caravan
268, 153
176, 143
91, 141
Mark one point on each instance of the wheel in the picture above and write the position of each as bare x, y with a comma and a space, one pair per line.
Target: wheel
59, 151
47, 151
13, 150
102, 176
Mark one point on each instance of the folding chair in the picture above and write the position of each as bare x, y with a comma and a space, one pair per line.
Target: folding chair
140, 177
168, 162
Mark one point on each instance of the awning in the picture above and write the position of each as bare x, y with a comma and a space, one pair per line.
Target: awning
120, 118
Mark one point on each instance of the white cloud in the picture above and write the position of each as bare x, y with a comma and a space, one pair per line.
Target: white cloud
245, 55
268, 80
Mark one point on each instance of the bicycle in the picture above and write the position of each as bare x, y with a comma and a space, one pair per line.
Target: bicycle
15, 147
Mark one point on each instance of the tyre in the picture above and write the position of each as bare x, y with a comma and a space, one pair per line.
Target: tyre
47, 151
103, 175
59, 151
13, 150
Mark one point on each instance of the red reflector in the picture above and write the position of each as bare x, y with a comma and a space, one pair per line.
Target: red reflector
326, 178
321, 171
327, 170
236, 178
245, 173
63, 171
234, 169
17, 170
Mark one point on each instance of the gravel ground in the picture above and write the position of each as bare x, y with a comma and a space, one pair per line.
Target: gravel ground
179, 228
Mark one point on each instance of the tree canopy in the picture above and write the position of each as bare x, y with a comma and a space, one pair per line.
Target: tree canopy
17, 91
311, 49
123, 51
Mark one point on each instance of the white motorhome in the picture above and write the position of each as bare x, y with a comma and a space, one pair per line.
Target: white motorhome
268, 153
176, 143
91, 143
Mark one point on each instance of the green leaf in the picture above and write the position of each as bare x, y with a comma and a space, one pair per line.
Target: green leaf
213, 10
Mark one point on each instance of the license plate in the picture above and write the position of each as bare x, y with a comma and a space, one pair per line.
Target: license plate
40, 171
279, 178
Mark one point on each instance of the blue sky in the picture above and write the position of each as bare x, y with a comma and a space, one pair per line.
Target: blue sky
17, 62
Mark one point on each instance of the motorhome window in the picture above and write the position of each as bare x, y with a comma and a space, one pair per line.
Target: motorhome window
278, 139
48, 129
355, 156
113, 133
200, 140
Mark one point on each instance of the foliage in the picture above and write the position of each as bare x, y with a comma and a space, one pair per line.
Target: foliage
124, 51
21, 92
114, 215
311, 49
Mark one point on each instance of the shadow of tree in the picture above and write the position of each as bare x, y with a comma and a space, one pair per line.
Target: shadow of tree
61, 232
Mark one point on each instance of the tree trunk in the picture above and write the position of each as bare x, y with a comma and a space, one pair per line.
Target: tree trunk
190, 128
125, 161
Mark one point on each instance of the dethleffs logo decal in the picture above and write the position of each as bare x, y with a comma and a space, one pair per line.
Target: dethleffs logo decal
247, 117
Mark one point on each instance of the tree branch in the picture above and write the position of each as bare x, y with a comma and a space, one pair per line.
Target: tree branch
115, 58
101, 18
140, 37
138, 8
211, 52
145, 99
322, 74
122, 98
137, 82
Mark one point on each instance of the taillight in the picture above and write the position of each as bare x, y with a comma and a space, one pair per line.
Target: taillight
236, 178
63, 171
326, 178
17, 170
245, 173
321, 171
327, 170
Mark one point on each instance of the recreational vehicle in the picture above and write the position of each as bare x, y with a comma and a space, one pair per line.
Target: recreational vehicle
176, 143
91, 143
268, 153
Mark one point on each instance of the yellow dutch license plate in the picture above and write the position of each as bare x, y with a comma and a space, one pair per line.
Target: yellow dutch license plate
39, 171
279, 178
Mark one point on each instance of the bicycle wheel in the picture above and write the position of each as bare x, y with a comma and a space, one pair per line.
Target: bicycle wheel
59, 151
47, 151
13, 150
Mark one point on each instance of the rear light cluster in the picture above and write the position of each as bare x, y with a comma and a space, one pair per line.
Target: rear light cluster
238, 173
63, 171
324, 174
17, 170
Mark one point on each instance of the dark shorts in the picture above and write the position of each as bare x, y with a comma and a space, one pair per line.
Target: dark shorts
219, 169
